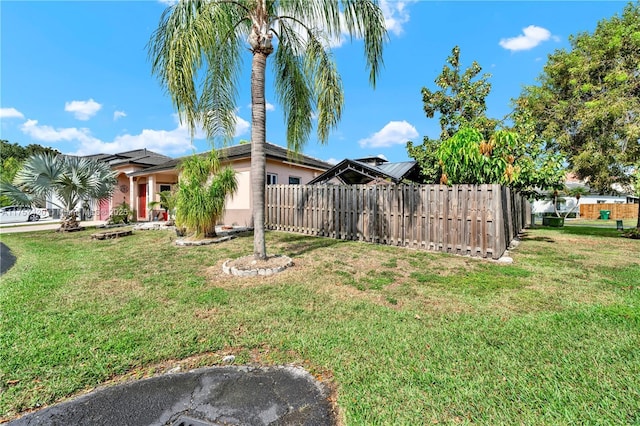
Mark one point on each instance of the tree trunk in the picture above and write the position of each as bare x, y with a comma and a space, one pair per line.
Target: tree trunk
638, 223
258, 158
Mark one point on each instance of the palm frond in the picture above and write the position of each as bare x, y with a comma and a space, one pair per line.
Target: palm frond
363, 18
293, 87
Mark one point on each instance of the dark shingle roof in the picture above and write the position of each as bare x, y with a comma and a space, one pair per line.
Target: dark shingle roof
142, 157
236, 152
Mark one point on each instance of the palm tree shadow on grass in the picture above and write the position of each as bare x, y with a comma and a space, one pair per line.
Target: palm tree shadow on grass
591, 231
297, 245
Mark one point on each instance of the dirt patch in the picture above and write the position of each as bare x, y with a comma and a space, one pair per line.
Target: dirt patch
247, 263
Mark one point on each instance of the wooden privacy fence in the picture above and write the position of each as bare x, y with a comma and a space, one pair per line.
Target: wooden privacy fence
618, 211
475, 220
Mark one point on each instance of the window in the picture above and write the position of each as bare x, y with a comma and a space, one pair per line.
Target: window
165, 188
293, 180
272, 178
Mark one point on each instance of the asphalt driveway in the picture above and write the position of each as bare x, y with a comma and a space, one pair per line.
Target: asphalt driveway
204, 397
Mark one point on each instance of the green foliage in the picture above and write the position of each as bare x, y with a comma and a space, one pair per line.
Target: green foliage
121, 214
549, 340
470, 149
460, 102
21, 153
168, 200
202, 192
469, 158
588, 101
69, 179
426, 156
11, 158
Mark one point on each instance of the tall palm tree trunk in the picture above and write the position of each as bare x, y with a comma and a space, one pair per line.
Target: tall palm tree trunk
258, 158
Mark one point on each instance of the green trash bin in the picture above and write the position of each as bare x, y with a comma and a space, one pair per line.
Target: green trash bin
604, 214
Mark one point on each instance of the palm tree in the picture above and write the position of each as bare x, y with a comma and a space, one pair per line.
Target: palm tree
202, 192
65, 178
211, 35
561, 194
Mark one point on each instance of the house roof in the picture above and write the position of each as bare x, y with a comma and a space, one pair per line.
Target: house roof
353, 172
141, 157
240, 151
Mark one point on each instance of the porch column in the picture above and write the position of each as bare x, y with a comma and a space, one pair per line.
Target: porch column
132, 193
151, 194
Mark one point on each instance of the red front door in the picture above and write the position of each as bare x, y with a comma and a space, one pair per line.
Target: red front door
142, 200
103, 209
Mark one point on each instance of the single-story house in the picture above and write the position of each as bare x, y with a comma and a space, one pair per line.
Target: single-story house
139, 185
567, 203
122, 163
370, 170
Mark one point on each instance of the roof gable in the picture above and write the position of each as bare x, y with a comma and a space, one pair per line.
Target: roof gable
354, 172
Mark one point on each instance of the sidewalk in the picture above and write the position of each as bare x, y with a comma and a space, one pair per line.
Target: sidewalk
42, 225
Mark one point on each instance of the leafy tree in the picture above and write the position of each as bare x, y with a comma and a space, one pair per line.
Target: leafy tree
21, 153
210, 36
11, 158
460, 102
68, 179
470, 149
468, 158
587, 102
202, 192
10, 167
541, 166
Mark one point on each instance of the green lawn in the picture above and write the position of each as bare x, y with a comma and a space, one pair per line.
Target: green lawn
403, 336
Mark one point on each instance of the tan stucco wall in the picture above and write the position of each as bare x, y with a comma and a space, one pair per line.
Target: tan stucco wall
238, 207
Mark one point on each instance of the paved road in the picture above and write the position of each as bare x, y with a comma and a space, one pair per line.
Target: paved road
204, 397
7, 259
42, 225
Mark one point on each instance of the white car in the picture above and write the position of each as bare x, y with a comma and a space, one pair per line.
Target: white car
11, 214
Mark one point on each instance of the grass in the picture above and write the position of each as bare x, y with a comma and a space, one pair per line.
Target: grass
404, 336
612, 223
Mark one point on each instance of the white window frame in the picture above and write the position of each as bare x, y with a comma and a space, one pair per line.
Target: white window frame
272, 178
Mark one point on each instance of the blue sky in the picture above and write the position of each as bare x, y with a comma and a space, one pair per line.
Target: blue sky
75, 75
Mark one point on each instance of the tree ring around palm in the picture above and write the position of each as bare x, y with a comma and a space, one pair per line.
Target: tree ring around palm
249, 266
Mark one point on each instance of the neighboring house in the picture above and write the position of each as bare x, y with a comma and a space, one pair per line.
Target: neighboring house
567, 203
283, 167
370, 170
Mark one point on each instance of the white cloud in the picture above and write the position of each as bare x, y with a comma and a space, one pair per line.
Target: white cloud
83, 110
333, 161
168, 2
10, 113
118, 114
49, 134
531, 37
242, 126
394, 133
267, 106
176, 141
396, 14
